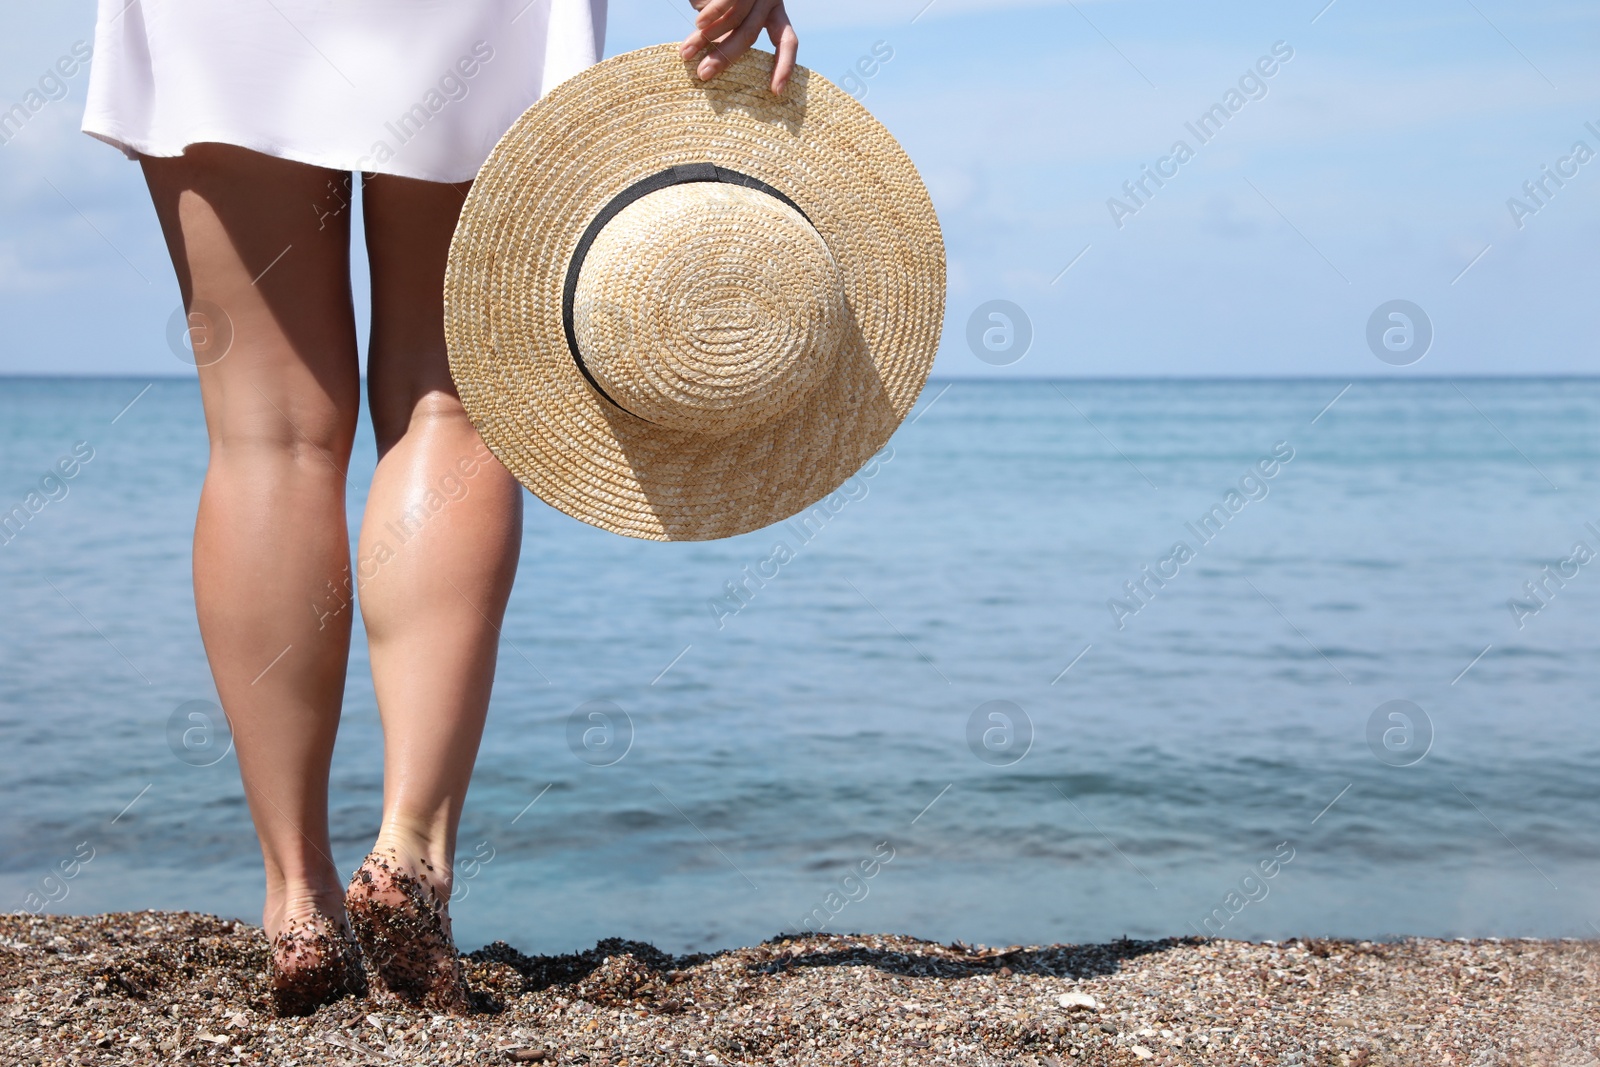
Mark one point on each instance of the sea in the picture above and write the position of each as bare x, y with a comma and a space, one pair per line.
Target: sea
1069, 661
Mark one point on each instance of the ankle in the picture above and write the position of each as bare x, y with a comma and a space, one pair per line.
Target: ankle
299, 901
394, 874
418, 849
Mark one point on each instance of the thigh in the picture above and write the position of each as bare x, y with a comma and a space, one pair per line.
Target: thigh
409, 224
261, 247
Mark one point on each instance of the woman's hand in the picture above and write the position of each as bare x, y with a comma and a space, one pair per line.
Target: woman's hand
725, 30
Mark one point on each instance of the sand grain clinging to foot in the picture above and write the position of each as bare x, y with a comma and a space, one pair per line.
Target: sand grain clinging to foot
176, 987
403, 925
312, 962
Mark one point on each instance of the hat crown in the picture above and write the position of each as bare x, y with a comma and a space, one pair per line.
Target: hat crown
708, 308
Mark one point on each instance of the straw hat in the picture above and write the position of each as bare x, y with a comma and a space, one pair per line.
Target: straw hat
682, 310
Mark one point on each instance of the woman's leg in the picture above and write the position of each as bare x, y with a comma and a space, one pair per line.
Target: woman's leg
271, 547
437, 556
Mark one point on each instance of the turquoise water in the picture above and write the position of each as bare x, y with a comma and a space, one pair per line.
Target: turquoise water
826, 750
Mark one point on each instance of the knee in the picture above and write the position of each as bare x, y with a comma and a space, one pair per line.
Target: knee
428, 410
316, 439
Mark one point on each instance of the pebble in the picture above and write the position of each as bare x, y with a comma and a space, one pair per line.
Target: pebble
138, 982
1074, 1000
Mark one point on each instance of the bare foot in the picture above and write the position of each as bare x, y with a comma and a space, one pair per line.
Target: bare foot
315, 961
400, 913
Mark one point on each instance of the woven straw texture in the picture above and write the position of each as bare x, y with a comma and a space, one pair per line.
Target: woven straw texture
756, 359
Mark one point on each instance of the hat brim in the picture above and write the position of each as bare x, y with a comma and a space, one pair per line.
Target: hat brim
596, 135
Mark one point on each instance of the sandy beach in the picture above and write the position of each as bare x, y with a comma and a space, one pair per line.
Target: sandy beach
177, 987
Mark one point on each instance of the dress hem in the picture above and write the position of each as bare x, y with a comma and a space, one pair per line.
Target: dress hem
133, 148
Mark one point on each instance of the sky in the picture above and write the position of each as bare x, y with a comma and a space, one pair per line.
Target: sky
1377, 163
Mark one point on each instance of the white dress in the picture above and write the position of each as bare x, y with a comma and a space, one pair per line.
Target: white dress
417, 88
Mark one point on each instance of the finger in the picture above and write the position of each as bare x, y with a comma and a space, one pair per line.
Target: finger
728, 17
705, 38
716, 18
787, 43
715, 11
722, 53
